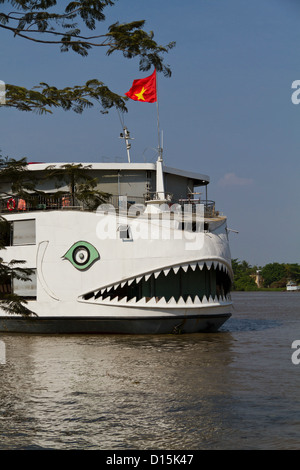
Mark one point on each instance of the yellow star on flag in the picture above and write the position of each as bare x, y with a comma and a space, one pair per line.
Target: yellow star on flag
140, 95
143, 89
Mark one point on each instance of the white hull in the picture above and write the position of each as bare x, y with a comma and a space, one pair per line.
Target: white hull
139, 285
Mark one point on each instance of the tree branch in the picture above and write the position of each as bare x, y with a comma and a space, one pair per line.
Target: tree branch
128, 38
43, 98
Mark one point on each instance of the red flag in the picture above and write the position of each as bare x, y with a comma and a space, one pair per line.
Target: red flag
144, 89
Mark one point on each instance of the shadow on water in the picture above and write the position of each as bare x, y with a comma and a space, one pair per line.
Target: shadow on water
245, 324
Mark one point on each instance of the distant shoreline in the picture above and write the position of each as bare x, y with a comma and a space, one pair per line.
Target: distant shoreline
266, 289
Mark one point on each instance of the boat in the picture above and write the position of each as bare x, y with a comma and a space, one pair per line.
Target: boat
292, 286
154, 259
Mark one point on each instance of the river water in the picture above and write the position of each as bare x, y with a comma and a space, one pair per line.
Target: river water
235, 389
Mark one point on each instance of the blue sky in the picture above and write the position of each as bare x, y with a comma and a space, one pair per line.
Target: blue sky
226, 111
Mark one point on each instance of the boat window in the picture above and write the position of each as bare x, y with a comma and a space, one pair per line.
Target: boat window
27, 288
5, 232
23, 232
190, 226
5, 285
124, 231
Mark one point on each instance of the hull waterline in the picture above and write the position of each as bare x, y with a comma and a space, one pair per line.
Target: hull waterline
108, 325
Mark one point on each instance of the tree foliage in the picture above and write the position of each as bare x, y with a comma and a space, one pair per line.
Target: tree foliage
274, 275
9, 302
68, 25
277, 275
273, 272
19, 183
243, 275
16, 179
42, 98
82, 187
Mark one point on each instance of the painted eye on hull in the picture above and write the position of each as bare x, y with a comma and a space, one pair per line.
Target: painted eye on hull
82, 255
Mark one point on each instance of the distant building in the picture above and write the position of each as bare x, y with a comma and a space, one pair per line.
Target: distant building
258, 278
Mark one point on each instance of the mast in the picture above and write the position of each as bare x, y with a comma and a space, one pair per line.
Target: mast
160, 186
126, 137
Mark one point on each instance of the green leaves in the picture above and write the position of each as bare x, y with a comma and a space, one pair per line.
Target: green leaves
132, 41
89, 10
274, 275
61, 27
82, 187
43, 98
244, 275
17, 174
9, 302
50, 22
277, 274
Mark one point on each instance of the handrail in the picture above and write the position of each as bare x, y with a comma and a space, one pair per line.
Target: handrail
155, 196
33, 203
65, 202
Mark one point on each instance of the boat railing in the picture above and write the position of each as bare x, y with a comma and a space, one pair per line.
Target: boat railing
192, 199
63, 201
209, 206
37, 202
68, 202
158, 196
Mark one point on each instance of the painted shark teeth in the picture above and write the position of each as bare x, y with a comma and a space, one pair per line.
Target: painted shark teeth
161, 301
139, 290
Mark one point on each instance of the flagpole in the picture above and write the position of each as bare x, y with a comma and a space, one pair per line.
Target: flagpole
160, 187
160, 150
145, 89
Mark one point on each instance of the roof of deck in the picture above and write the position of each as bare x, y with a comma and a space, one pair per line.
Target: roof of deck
198, 178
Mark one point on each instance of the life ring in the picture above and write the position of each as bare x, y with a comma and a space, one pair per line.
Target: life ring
11, 204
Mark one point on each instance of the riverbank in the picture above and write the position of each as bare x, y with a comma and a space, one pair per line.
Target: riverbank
262, 289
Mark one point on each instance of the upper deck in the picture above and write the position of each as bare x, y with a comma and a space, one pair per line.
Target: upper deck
134, 181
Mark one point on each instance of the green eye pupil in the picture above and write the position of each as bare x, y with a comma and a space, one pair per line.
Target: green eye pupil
82, 255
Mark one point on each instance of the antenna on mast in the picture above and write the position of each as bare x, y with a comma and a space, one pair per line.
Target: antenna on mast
127, 138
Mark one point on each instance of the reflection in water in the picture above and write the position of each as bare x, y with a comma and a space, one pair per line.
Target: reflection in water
233, 389
115, 392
